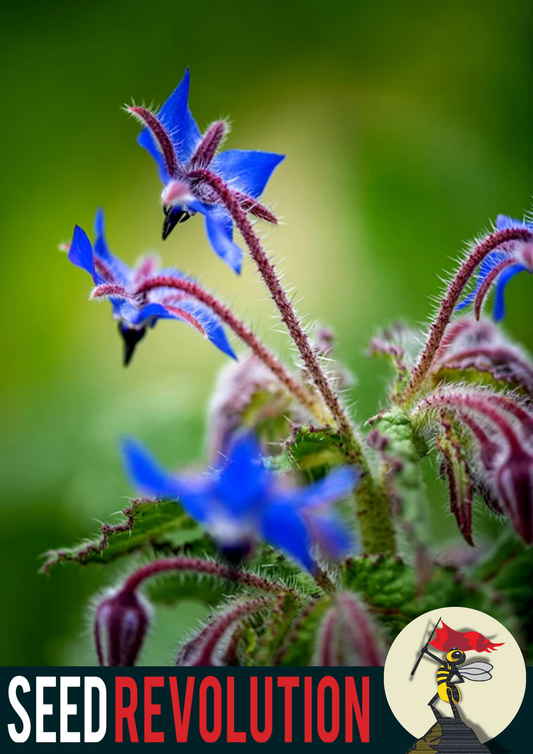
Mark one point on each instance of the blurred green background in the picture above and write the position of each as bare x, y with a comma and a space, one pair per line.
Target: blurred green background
407, 128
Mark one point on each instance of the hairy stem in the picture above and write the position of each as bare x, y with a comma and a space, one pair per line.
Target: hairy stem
201, 566
372, 505
451, 299
462, 403
281, 300
374, 517
323, 581
221, 624
242, 332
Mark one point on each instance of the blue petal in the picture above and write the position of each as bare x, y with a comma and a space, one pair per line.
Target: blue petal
503, 222
177, 120
488, 264
145, 473
331, 535
211, 324
147, 141
247, 171
145, 315
148, 315
219, 229
244, 484
81, 251
120, 270
283, 527
503, 279
336, 486
152, 479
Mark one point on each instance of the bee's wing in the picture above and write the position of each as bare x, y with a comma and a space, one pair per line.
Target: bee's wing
476, 671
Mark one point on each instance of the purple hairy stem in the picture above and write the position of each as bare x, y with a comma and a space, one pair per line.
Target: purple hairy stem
360, 630
239, 328
460, 485
189, 649
486, 284
488, 453
513, 408
161, 137
103, 269
509, 469
251, 205
287, 313
466, 402
209, 145
230, 656
200, 566
451, 299
203, 653
452, 334
347, 635
325, 656
110, 289
488, 448
503, 363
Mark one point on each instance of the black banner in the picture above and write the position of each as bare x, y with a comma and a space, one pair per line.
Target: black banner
204, 706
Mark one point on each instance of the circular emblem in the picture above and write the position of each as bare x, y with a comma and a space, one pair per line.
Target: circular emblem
454, 673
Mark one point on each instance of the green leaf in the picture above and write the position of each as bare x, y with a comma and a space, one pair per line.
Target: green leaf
395, 596
508, 568
315, 451
401, 449
262, 649
386, 583
273, 564
171, 588
266, 414
144, 524
300, 645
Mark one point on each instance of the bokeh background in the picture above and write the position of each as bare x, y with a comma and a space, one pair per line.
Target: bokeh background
407, 127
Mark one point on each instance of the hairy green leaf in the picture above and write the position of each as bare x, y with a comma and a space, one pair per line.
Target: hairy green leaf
144, 523
315, 451
299, 647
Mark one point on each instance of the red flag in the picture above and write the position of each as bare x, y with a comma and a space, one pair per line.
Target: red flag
447, 638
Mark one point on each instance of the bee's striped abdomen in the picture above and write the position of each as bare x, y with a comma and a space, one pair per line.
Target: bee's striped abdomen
444, 673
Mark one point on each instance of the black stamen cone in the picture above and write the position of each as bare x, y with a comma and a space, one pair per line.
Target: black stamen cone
131, 337
235, 554
173, 216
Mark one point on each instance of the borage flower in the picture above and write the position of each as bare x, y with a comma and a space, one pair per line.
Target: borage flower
502, 430
242, 501
182, 154
137, 310
499, 267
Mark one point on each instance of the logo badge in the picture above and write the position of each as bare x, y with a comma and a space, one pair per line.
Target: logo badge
454, 677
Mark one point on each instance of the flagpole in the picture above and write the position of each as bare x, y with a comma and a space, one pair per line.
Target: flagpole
413, 671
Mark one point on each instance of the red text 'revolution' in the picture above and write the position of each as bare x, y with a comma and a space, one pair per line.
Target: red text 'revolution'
325, 710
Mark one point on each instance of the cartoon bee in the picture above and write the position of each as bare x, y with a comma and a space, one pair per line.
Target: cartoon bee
455, 644
448, 691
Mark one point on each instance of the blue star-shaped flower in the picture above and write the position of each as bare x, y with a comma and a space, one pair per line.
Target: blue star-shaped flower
243, 501
500, 267
181, 152
135, 309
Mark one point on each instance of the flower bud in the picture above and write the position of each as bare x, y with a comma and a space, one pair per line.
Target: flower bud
120, 625
470, 347
347, 636
247, 394
209, 648
514, 486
